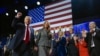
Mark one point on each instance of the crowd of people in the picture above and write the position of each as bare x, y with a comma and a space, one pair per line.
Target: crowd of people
58, 42
4, 51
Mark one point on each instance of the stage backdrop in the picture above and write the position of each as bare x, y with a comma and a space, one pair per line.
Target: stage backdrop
58, 14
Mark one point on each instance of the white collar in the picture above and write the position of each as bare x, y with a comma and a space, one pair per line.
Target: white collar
26, 25
94, 29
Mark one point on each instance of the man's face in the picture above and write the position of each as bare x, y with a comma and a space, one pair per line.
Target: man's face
92, 25
60, 34
71, 30
27, 20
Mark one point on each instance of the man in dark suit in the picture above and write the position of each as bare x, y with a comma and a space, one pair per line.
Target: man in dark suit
8, 52
72, 49
93, 39
1, 50
23, 41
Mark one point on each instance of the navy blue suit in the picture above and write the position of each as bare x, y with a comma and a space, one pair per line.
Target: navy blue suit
54, 48
1, 50
17, 44
61, 47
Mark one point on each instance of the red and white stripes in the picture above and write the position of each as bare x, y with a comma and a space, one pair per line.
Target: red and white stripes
58, 14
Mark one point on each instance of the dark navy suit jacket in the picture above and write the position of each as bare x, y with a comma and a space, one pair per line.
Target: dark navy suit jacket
61, 47
17, 43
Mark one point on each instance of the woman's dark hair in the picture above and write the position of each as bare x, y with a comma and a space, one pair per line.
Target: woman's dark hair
48, 24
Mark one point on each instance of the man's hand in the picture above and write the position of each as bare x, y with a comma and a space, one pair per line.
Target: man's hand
75, 38
50, 51
19, 14
92, 30
36, 48
84, 33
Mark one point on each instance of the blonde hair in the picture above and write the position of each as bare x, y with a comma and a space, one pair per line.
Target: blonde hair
61, 33
28, 17
92, 22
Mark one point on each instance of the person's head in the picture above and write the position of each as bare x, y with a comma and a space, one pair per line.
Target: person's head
10, 35
0, 42
59, 28
83, 31
36, 32
46, 25
27, 20
75, 37
70, 30
92, 25
19, 14
61, 33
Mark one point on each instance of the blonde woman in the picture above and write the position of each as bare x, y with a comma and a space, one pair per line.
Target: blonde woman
61, 44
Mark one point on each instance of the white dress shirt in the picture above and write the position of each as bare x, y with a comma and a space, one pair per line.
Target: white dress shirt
26, 30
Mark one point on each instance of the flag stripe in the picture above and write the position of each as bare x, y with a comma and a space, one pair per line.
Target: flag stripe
63, 5
58, 14
60, 18
55, 22
52, 28
62, 15
55, 25
57, 4
61, 9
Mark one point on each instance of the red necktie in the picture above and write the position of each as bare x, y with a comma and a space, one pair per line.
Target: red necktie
27, 35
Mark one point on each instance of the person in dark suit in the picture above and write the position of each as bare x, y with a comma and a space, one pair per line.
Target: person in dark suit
8, 52
54, 45
61, 45
44, 39
93, 39
23, 42
72, 49
1, 49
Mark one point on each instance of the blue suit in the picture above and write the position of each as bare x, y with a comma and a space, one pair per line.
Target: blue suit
1, 51
61, 47
54, 48
17, 44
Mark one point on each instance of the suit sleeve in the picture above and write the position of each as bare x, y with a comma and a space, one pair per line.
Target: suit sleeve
87, 38
16, 23
98, 34
32, 39
49, 36
38, 36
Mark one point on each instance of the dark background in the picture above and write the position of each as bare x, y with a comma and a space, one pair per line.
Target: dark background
82, 10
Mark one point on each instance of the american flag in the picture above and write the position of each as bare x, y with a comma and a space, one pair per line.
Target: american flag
58, 14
